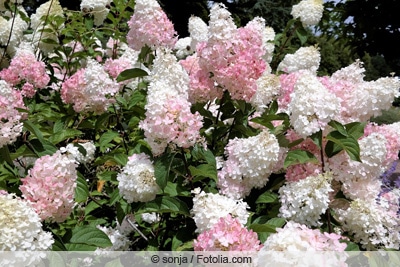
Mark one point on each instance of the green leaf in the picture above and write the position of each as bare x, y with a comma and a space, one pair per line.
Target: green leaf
267, 197
262, 228
105, 140
42, 148
91, 236
166, 204
33, 129
121, 159
81, 190
338, 142
64, 134
356, 129
162, 166
204, 171
131, 73
277, 222
339, 127
317, 138
302, 35
298, 156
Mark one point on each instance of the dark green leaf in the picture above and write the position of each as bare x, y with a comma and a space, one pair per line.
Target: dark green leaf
166, 204
81, 190
262, 228
356, 129
131, 73
89, 235
298, 156
204, 170
162, 166
337, 142
339, 127
267, 197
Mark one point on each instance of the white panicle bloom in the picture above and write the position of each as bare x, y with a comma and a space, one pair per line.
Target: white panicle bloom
16, 28
150, 217
43, 31
373, 225
312, 106
268, 40
358, 177
308, 11
198, 31
249, 164
120, 242
221, 26
305, 58
73, 150
136, 181
96, 7
268, 87
305, 200
208, 208
289, 247
183, 47
20, 226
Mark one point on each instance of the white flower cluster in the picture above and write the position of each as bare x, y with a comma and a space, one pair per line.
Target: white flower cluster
308, 11
268, 87
305, 200
198, 30
136, 181
305, 58
268, 40
359, 179
16, 26
221, 26
249, 164
183, 48
21, 227
96, 7
208, 208
312, 106
120, 242
151, 218
289, 247
373, 225
42, 31
73, 150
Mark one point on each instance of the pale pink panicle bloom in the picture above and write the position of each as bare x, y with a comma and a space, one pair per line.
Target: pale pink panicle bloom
169, 120
306, 58
208, 208
10, 118
50, 186
90, 89
249, 164
115, 66
229, 52
306, 200
350, 173
201, 86
21, 227
228, 234
374, 225
172, 123
198, 31
308, 11
392, 136
136, 181
96, 7
359, 99
291, 245
24, 69
312, 106
287, 81
149, 25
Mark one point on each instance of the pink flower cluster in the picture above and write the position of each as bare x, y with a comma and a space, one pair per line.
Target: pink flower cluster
49, 186
227, 235
24, 69
10, 125
150, 26
174, 123
228, 61
90, 89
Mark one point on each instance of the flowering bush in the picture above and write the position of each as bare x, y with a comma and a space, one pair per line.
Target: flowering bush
213, 142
